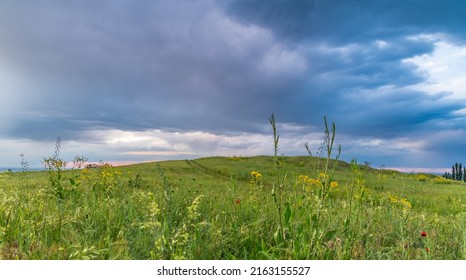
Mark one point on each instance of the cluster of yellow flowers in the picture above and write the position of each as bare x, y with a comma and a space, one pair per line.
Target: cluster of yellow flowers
104, 175
309, 183
54, 164
422, 177
401, 201
303, 178
318, 183
256, 175
442, 180
323, 177
256, 178
107, 171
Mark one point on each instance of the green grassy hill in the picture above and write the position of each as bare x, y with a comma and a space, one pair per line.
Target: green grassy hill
428, 194
231, 208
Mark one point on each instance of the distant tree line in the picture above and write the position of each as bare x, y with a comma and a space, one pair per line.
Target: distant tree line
458, 172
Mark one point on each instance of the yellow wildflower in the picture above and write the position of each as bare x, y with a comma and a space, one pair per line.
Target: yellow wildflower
406, 203
393, 199
315, 182
256, 175
400, 201
303, 178
422, 177
323, 177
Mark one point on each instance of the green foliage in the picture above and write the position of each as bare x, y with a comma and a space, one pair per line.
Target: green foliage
54, 166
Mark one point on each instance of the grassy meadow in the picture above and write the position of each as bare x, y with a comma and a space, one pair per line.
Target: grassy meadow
265, 207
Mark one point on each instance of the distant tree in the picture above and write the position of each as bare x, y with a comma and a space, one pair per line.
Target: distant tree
460, 172
457, 172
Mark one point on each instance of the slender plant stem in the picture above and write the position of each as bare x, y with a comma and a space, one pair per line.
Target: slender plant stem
277, 185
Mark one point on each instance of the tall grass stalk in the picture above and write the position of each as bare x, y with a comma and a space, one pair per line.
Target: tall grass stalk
277, 185
329, 139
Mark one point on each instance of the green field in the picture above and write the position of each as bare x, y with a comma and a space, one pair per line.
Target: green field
231, 208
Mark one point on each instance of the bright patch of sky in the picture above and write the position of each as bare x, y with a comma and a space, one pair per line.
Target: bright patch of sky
444, 69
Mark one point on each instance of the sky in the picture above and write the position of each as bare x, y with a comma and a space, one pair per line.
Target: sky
133, 81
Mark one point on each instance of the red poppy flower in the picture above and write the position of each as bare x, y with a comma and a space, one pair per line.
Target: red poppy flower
424, 234
237, 201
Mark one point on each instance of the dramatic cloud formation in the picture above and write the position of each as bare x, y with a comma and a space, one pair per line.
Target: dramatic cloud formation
134, 81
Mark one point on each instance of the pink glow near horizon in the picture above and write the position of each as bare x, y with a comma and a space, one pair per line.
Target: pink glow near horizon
420, 170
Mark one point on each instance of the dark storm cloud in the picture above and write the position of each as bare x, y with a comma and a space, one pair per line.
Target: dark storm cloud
343, 22
395, 113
